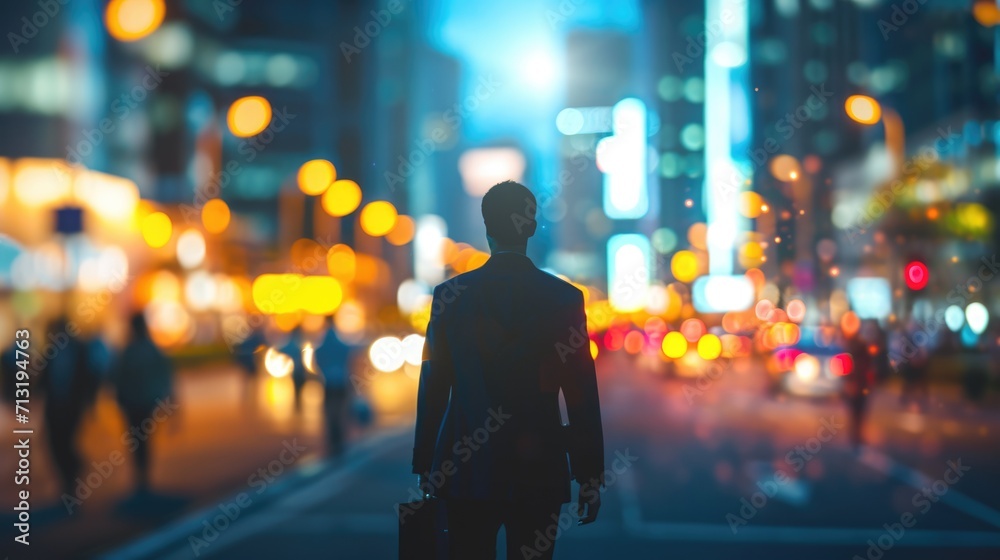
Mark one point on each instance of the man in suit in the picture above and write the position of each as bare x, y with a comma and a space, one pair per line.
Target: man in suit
503, 340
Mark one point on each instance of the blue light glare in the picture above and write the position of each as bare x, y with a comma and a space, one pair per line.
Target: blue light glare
718, 294
630, 271
726, 128
870, 297
623, 158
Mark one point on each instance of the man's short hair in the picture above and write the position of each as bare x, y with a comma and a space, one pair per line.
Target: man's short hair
509, 212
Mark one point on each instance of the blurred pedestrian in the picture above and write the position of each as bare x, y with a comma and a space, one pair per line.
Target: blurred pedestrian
915, 364
880, 340
332, 358
97, 366
293, 348
64, 379
246, 354
143, 377
858, 383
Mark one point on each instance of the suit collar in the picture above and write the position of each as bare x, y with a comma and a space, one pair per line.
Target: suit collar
509, 258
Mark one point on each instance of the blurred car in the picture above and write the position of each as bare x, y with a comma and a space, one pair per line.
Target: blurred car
809, 369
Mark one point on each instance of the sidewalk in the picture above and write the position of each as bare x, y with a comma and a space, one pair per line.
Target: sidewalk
369, 474
221, 438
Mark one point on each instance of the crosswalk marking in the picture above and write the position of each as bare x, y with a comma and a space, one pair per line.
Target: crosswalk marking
637, 527
881, 462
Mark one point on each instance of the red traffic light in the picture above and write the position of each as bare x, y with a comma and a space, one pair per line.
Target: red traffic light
916, 275
842, 364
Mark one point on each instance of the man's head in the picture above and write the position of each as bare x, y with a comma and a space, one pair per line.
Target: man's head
509, 214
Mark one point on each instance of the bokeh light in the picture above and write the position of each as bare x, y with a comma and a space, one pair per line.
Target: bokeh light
954, 318
292, 294
190, 248
341, 262
796, 310
916, 275
315, 176
413, 349
986, 13
751, 254
278, 364
764, 309
977, 316
341, 198
807, 367
200, 290
693, 329
249, 116
674, 345
378, 218
684, 266
403, 232
156, 229
785, 168
698, 235
634, 342
40, 182
750, 204
350, 321
387, 354
131, 20
709, 347
215, 215
850, 323
863, 109
664, 240
841, 364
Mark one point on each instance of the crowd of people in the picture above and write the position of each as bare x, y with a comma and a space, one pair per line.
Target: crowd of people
142, 377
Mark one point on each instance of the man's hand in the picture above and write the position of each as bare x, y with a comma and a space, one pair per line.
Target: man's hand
589, 499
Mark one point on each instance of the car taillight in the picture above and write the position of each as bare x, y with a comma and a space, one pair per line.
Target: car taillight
785, 358
841, 364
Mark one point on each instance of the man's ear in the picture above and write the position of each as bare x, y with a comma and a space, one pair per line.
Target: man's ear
530, 228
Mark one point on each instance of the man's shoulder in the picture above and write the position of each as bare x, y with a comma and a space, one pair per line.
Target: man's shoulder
559, 286
553, 287
456, 285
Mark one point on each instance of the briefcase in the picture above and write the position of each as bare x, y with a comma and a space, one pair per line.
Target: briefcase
423, 529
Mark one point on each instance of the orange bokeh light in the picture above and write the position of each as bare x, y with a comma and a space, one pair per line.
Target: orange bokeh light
248, 116
315, 176
131, 20
402, 233
863, 109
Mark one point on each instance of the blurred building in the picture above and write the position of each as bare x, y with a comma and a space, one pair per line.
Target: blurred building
676, 47
930, 196
800, 60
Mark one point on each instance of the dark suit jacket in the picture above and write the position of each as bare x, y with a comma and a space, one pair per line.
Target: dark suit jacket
502, 341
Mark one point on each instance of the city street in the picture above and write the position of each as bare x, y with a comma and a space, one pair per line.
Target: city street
261, 260
220, 432
682, 470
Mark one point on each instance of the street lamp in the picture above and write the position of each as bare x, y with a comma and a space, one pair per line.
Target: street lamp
866, 110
